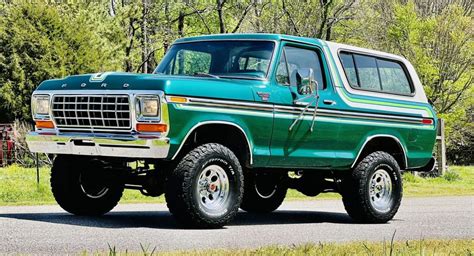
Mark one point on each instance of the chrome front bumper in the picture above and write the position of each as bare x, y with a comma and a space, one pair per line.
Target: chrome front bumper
113, 145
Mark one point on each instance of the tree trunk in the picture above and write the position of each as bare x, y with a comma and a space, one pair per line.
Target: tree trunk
112, 8
220, 4
181, 23
144, 36
324, 17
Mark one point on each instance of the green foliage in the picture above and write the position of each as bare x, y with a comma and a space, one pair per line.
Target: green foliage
452, 176
42, 43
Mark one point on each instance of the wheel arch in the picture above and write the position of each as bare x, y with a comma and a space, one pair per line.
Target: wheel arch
212, 125
384, 142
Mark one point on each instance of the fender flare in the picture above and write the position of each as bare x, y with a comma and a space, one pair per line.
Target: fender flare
199, 124
368, 139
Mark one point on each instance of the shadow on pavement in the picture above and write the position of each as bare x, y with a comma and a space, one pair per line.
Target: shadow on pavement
164, 220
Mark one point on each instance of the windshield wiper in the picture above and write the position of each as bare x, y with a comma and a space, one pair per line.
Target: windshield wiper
205, 75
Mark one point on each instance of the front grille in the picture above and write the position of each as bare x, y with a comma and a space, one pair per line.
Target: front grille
92, 113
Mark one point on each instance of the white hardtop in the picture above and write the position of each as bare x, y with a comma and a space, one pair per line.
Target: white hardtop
419, 94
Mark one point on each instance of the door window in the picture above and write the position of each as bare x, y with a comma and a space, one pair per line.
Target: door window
299, 58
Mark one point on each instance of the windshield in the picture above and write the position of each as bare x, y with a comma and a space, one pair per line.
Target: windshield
234, 59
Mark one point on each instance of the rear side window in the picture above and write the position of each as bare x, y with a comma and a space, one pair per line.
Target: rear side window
375, 74
349, 68
393, 77
366, 68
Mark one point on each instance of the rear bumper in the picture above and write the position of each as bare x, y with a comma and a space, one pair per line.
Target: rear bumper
112, 145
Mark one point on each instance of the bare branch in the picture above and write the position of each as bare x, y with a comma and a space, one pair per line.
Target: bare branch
242, 17
199, 13
285, 10
460, 93
147, 58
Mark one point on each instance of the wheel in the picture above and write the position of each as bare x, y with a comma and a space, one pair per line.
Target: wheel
372, 194
264, 192
81, 187
206, 187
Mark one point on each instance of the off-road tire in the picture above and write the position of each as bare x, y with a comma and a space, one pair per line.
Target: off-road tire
256, 201
69, 193
355, 189
181, 194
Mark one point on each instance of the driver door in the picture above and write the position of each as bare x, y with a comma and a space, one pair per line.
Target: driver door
299, 146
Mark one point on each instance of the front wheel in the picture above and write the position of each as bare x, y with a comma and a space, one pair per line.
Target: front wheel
205, 189
373, 193
82, 187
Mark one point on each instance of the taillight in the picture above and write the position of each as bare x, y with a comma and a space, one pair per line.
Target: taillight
427, 121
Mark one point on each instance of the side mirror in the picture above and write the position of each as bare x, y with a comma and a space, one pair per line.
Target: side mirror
305, 83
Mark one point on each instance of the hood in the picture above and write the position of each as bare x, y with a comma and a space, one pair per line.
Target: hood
208, 87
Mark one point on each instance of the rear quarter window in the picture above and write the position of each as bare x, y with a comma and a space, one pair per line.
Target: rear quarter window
373, 73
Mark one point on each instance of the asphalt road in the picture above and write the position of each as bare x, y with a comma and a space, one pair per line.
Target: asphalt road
49, 230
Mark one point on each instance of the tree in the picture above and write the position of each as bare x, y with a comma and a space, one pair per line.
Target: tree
43, 43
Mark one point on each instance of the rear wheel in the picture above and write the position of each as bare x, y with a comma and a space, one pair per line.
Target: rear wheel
205, 189
264, 192
82, 187
373, 193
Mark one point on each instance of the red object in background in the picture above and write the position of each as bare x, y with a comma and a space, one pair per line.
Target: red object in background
7, 146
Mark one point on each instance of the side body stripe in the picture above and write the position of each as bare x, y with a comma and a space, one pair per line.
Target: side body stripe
282, 111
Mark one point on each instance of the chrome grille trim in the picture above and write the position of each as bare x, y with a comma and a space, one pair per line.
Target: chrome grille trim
88, 112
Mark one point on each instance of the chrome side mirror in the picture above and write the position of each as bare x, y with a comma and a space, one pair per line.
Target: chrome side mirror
305, 83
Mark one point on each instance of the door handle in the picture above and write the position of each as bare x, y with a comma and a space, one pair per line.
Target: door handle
301, 103
329, 102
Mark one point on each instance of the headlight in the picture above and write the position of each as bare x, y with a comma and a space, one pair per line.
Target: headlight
148, 106
40, 105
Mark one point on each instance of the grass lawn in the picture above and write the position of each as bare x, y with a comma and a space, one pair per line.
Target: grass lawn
18, 187
413, 247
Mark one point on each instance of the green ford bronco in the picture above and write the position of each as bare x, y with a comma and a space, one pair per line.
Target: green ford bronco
234, 121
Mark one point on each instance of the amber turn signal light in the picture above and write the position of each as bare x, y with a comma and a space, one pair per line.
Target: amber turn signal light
152, 127
175, 99
44, 124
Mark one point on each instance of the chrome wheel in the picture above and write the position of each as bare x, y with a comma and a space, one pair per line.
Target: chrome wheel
380, 190
264, 186
213, 188
91, 188
265, 192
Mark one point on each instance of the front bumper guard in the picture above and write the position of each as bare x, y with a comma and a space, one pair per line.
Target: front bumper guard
111, 145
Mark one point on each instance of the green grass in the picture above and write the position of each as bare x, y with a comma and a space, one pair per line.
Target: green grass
459, 180
413, 247
18, 187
